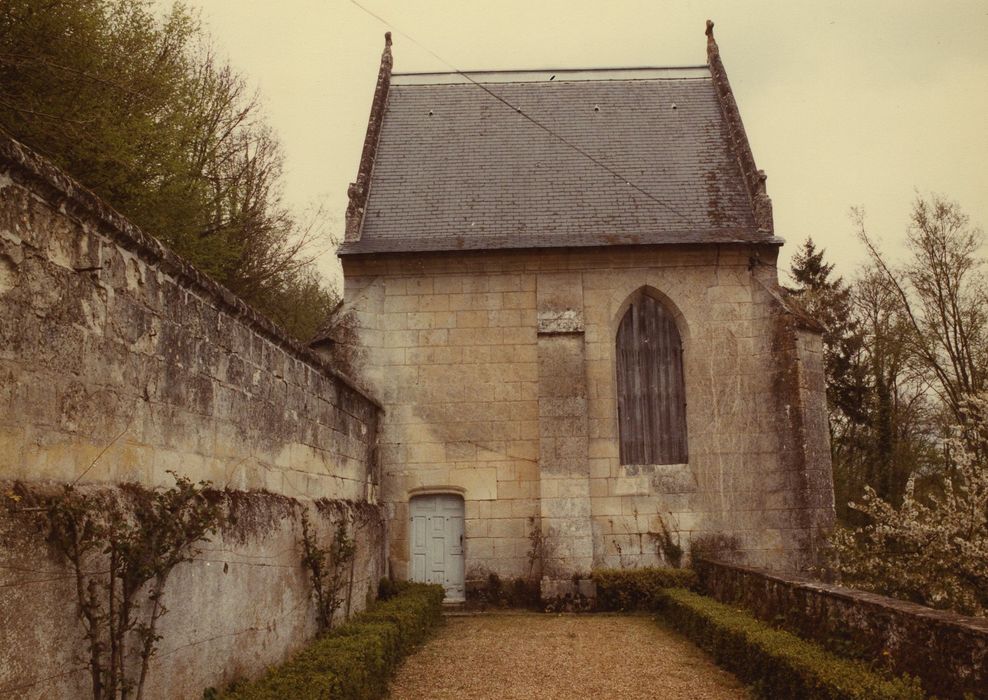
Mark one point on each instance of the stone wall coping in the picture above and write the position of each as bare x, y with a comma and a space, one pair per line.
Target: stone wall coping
964, 623
75, 200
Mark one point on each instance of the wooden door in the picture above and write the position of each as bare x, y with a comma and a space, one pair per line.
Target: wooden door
436, 544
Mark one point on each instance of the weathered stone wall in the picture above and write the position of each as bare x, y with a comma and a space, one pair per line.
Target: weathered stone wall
119, 362
454, 359
463, 351
564, 466
243, 604
111, 346
949, 652
815, 462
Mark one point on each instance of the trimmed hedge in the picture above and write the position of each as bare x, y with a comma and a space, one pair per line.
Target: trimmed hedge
355, 661
496, 592
619, 590
778, 664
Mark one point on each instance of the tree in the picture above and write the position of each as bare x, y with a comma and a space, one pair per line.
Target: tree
829, 300
888, 438
942, 294
97, 87
925, 333
918, 350
141, 111
931, 550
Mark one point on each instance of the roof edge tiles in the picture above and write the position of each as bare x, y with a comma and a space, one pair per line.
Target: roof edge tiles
550, 241
358, 190
754, 179
692, 241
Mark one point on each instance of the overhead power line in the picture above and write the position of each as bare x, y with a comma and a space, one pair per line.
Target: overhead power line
519, 111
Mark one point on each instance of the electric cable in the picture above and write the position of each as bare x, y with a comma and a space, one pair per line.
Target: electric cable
519, 111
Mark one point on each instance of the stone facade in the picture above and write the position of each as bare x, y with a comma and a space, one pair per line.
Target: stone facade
497, 374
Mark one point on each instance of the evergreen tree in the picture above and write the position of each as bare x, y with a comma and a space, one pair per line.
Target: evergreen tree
873, 410
829, 300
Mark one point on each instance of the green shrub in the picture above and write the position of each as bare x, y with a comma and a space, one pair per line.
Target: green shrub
778, 664
389, 588
412, 616
496, 592
356, 660
637, 589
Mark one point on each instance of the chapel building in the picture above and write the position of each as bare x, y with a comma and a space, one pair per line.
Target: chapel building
565, 289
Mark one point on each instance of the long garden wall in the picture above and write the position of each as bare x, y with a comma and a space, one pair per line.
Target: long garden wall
949, 652
121, 363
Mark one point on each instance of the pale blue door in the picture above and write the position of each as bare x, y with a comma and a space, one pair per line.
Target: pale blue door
436, 535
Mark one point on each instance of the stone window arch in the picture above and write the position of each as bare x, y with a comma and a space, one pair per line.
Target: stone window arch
651, 395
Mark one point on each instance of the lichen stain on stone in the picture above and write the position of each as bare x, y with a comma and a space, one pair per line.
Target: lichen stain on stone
8, 273
135, 279
715, 210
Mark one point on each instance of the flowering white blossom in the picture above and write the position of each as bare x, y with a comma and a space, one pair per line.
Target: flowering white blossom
934, 549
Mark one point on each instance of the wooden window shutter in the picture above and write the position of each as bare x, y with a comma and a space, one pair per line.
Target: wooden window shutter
651, 394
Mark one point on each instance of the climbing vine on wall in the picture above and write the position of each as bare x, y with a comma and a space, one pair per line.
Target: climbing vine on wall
537, 546
671, 550
329, 569
121, 548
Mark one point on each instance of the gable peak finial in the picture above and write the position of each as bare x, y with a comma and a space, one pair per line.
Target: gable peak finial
712, 49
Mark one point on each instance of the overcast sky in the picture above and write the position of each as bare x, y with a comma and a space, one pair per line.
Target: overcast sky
845, 102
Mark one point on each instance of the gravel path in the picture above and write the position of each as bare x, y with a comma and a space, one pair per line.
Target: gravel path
544, 656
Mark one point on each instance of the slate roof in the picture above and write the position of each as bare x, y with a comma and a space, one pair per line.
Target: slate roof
457, 169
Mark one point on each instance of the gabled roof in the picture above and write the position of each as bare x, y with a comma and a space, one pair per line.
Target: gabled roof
555, 158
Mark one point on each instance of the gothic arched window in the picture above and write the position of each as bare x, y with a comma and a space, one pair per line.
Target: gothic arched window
650, 391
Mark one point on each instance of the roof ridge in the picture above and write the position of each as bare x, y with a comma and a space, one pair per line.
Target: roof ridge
599, 69
548, 75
